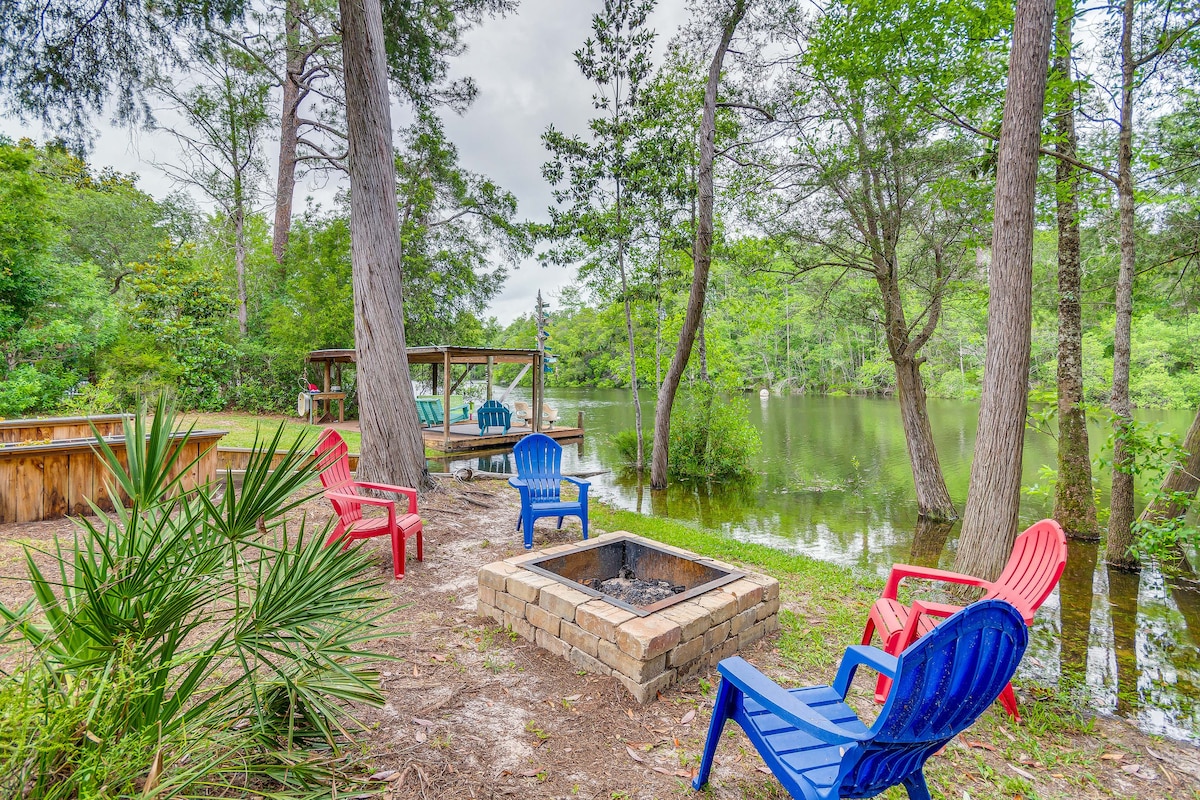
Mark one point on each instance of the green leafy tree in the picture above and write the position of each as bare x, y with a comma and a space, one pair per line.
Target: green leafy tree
595, 178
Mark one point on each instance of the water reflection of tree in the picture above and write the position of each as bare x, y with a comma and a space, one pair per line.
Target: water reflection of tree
1075, 612
929, 540
1123, 605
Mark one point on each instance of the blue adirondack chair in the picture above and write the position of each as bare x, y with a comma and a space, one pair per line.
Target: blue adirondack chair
493, 414
539, 479
815, 744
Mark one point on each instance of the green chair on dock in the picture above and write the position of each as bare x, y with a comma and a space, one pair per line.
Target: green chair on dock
429, 410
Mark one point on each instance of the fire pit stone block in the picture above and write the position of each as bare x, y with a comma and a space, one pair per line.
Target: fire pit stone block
562, 601
647, 637
646, 654
601, 618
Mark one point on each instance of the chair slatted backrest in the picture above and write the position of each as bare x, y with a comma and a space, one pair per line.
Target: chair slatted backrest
1037, 561
333, 459
944, 682
539, 464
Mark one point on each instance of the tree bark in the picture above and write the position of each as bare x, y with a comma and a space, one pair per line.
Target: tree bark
1120, 519
933, 498
633, 379
285, 183
990, 517
1074, 506
702, 255
392, 448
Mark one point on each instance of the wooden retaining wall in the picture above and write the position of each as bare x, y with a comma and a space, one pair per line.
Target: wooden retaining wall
47, 481
39, 430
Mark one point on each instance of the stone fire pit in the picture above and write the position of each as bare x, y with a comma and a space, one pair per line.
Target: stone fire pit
684, 613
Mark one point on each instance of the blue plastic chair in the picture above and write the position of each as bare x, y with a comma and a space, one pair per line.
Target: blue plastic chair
493, 414
818, 748
539, 478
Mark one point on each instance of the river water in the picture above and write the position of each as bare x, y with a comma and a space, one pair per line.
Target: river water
834, 483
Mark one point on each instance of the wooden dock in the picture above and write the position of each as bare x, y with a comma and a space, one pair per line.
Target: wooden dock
464, 437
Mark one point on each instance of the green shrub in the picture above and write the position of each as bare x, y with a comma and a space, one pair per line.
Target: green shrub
711, 437
626, 444
189, 645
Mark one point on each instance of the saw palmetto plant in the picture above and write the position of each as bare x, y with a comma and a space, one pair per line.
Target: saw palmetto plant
190, 643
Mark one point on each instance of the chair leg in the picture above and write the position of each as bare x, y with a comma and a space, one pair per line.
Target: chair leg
519, 518
883, 683
1009, 701
869, 631
560, 519
398, 553
529, 531
916, 786
583, 519
420, 544
721, 708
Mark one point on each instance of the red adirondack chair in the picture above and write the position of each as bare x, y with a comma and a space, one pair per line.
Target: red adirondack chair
1032, 572
341, 490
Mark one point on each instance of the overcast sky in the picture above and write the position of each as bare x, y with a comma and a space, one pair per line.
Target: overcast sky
527, 80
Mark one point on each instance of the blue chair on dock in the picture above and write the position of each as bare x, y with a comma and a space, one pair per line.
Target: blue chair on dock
816, 745
539, 480
493, 414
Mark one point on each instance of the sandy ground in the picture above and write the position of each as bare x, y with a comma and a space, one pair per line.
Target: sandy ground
473, 712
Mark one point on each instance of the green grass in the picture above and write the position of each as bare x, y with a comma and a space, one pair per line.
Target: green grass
242, 427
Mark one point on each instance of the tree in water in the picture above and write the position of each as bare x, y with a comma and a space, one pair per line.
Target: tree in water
598, 221
701, 251
993, 498
883, 192
1074, 504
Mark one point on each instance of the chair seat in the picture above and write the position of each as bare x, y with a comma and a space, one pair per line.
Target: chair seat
557, 506
799, 753
374, 526
890, 617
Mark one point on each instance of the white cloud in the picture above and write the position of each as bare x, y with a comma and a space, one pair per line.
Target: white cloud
527, 77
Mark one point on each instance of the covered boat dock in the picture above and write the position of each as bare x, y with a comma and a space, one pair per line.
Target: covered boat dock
450, 366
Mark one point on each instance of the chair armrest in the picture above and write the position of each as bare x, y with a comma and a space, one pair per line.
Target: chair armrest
780, 702
861, 655
517, 483
901, 571
583, 487
923, 608
411, 494
363, 499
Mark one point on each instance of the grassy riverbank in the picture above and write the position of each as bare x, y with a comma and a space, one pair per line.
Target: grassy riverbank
1060, 749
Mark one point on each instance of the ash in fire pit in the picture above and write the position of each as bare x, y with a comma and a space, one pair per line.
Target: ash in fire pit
633, 574
628, 588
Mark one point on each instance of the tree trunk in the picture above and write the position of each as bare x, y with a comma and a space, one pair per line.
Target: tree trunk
933, 498
1120, 518
990, 517
703, 350
1074, 506
633, 380
392, 449
929, 540
239, 262
702, 255
285, 183
1181, 482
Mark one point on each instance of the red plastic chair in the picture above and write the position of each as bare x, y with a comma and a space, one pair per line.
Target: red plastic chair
1032, 572
342, 490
